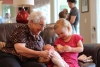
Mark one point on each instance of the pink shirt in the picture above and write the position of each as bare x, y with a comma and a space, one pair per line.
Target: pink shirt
70, 57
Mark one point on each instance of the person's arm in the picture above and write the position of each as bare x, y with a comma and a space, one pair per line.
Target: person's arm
72, 19
73, 15
78, 49
22, 50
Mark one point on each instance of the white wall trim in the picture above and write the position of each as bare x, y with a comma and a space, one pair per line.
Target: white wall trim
98, 21
93, 17
53, 10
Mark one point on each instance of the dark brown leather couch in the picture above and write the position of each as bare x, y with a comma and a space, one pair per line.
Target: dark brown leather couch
94, 51
49, 37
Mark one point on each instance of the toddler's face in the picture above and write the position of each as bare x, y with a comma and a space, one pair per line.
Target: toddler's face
62, 32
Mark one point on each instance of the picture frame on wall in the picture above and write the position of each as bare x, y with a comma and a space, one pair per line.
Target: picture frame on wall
85, 6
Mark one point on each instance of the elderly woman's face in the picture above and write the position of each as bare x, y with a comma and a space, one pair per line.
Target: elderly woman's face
36, 28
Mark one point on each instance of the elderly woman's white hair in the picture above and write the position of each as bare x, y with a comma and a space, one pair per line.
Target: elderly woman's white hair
36, 16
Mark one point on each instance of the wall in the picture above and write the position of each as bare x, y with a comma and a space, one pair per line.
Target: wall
0, 8
85, 25
88, 20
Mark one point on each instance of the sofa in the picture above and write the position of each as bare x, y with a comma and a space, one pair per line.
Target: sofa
49, 37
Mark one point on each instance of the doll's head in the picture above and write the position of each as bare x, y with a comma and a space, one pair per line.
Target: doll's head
63, 14
63, 28
65, 11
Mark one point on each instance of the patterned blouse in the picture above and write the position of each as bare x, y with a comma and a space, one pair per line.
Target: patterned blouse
22, 34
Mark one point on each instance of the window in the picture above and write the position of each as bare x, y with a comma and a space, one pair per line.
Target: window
5, 9
45, 9
63, 4
98, 21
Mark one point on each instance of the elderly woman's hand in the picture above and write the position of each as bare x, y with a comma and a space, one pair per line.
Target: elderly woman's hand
44, 54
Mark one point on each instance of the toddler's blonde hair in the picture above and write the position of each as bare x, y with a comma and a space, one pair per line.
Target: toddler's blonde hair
64, 24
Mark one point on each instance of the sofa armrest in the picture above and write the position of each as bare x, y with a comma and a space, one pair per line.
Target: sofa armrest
98, 63
92, 50
6, 30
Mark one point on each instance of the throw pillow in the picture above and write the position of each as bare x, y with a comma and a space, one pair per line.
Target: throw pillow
84, 58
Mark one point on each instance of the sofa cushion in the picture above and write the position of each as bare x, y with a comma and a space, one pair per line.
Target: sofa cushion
6, 30
48, 34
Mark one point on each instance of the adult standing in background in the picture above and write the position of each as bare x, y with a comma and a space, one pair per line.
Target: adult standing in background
74, 15
6, 19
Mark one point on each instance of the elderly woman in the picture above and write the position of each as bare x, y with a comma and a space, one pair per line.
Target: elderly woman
25, 45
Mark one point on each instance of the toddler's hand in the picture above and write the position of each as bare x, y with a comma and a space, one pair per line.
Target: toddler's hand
67, 48
60, 48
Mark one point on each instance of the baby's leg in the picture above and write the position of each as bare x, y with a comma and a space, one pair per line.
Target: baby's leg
66, 65
58, 60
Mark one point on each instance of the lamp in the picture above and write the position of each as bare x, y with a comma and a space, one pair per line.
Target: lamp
22, 16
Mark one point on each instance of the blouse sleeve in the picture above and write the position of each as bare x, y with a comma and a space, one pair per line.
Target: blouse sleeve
78, 38
74, 12
18, 36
